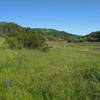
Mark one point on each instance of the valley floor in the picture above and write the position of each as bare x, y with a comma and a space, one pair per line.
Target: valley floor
65, 72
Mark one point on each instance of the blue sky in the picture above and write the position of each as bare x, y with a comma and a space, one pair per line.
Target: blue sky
74, 16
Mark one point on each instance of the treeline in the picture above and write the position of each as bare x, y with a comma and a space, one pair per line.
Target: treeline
50, 34
93, 36
23, 37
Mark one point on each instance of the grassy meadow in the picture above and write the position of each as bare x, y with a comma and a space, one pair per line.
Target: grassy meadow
65, 72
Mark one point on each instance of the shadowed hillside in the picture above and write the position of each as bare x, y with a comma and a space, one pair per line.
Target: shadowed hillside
94, 36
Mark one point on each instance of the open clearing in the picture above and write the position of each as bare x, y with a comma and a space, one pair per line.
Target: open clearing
66, 72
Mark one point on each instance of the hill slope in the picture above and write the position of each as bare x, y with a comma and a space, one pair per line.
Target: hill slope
51, 34
94, 36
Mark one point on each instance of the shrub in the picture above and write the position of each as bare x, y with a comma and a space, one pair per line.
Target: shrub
26, 40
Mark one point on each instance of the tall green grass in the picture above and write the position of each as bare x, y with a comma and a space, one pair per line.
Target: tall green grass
63, 73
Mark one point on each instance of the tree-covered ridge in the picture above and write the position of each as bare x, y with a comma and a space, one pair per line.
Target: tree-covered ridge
94, 36
8, 28
51, 34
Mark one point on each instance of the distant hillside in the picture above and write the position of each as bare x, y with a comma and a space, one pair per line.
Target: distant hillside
51, 34
7, 29
94, 36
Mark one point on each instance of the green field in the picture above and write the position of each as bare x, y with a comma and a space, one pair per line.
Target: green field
65, 72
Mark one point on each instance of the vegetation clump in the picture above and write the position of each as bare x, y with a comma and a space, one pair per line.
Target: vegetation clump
36, 38
18, 37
